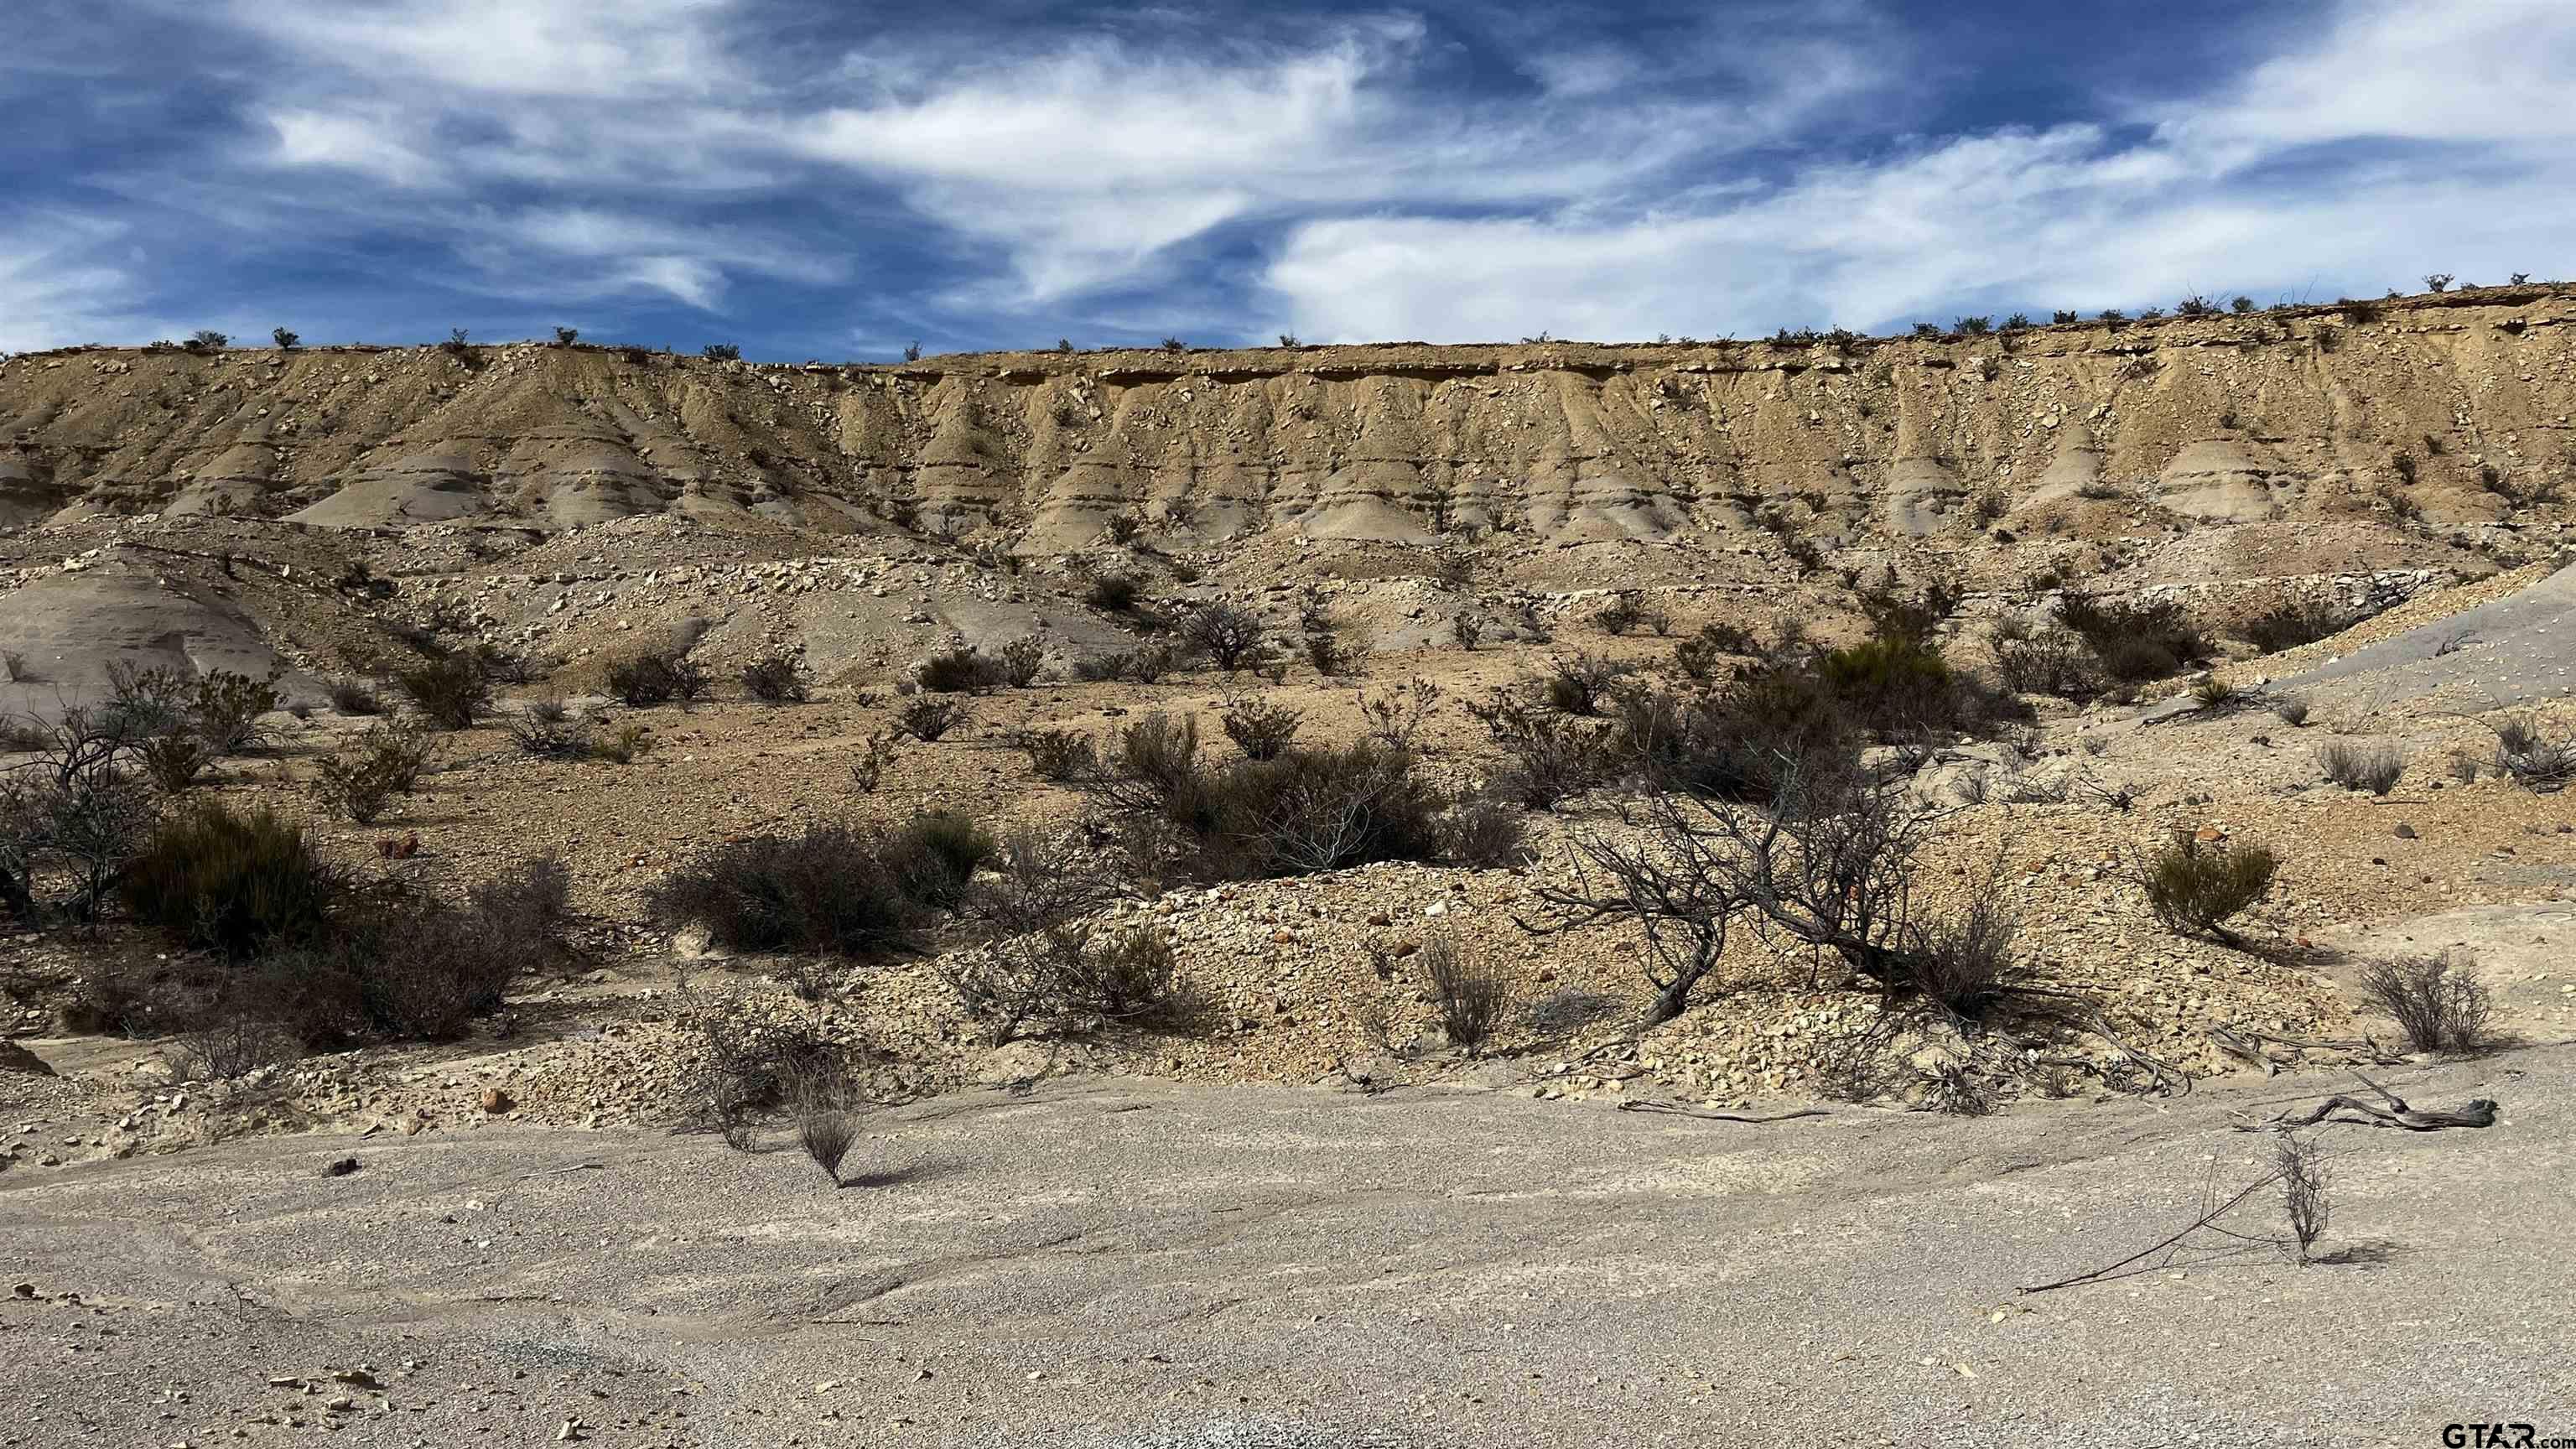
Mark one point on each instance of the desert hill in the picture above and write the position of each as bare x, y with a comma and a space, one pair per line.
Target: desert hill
2293, 413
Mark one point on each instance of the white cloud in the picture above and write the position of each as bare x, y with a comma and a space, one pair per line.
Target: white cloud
525, 48
351, 141
1721, 177
54, 289
2493, 71
2230, 192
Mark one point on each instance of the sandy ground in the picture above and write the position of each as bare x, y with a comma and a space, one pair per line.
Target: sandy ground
1122, 1262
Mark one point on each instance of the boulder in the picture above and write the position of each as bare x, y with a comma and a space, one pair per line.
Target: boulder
15, 1058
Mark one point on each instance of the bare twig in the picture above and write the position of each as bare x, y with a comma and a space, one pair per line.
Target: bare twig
1676, 1109
2208, 1218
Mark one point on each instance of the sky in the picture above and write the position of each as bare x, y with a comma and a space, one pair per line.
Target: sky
833, 179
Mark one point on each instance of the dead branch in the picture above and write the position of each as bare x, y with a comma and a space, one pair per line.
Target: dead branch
2480, 1112
2208, 1218
1676, 1109
2243, 1049
2165, 1076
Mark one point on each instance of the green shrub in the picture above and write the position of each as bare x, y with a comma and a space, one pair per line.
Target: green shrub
238, 884
1263, 731
830, 891
777, 679
935, 855
2195, 885
961, 670
226, 707
451, 690
387, 761
2135, 640
1057, 754
2289, 624
1115, 593
655, 676
1020, 661
175, 761
927, 719
354, 697
2375, 768
1703, 656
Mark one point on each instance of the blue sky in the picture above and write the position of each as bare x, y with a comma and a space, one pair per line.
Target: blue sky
815, 179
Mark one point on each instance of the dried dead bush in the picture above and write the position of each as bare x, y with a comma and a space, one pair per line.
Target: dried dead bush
2052, 665
2300, 1165
228, 1045
1827, 867
1047, 966
2136, 640
1704, 656
1472, 998
825, 1106
2199, 885
1547, 758
2437, 1000
1484, 832
743, 1059
1145, 666
1305, 811
1227, 632
1623, 613
867, 769
2294, 622
2375, 768
2532, 756
1338, 654
78, 813
1395, 719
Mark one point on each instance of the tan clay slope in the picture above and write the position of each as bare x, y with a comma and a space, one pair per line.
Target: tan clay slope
2293, 414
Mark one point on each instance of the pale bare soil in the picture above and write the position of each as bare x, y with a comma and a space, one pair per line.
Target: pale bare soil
1125, 1262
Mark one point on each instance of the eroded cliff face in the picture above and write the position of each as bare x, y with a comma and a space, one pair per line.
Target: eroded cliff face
2291, 414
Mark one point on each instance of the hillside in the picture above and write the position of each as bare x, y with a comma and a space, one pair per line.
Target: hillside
2288, 414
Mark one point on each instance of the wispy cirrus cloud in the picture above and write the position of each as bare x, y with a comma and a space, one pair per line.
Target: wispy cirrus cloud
791, 173
2329, 167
